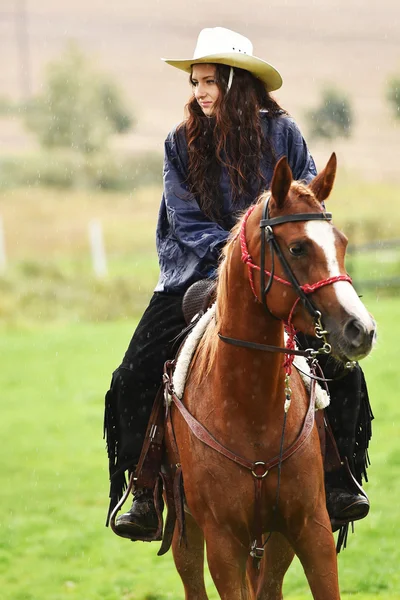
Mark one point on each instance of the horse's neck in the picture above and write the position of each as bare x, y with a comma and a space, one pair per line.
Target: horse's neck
240, 316
249, 321
251, 381
245, 391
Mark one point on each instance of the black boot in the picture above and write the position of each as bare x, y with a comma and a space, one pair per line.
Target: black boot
141, 521
344, 507
344, 500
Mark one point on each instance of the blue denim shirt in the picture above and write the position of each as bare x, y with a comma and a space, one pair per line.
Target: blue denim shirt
188, 243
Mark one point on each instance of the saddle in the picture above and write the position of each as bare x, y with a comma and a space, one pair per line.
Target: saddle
152, 474
197, 299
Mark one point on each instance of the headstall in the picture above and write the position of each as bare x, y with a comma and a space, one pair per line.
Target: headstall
303, 291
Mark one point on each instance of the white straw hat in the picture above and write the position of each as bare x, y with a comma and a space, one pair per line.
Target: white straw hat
226, 47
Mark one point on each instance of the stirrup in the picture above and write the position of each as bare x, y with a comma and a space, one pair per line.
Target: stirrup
157, 534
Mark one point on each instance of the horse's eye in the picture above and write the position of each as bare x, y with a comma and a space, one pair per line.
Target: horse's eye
297, 250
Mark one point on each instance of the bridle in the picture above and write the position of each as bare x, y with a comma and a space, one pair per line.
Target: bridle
303, 291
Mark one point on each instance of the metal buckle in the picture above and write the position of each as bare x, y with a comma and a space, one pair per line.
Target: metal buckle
269, 234
325, 349
321, 334
256, 475
350, 365
256, 552
167, 383
153, 431
318, 330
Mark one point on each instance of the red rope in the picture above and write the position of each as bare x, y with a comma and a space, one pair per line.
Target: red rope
246, 258
308, 288
290, 343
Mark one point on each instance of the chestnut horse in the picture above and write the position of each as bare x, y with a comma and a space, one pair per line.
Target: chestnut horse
238, 394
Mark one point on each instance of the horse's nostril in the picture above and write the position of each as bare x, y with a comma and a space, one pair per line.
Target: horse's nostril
354, 332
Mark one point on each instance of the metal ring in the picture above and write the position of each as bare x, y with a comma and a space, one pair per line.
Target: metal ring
260, 462
326, 348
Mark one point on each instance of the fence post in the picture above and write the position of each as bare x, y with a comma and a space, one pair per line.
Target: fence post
98, 252
3, 259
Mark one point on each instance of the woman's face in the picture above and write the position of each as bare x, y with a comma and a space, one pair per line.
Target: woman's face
205, 87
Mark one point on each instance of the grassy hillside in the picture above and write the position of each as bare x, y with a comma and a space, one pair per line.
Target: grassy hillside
53, 544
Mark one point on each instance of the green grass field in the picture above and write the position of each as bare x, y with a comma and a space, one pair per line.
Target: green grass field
56, 366
53, 543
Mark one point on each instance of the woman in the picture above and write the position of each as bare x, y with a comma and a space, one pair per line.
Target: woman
217, 162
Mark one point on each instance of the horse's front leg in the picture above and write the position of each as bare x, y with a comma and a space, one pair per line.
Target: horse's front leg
315, 547
227, 559
278, 557
189, 560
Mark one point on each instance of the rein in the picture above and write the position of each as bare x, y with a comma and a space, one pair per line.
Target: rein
309, 353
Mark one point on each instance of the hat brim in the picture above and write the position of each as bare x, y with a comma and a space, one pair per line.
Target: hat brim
258, 67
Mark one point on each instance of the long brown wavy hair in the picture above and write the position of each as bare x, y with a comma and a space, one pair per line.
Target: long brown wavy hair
231, 138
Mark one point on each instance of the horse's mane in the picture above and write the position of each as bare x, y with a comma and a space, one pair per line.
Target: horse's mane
207, 349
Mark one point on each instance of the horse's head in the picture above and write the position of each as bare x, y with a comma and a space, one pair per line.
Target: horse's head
309, 246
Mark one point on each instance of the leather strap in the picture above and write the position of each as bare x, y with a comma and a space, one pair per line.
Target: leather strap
171, 514
333, 461
324, 216
202, 434
267, 236
259, 469
148, 468
263, 347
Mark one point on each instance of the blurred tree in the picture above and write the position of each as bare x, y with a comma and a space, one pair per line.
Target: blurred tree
393, 95
332, 118
79, 108
7, 106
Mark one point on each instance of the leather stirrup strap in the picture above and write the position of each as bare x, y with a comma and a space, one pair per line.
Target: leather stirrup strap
149, 464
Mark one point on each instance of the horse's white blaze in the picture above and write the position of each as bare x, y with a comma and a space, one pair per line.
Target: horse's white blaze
322, 234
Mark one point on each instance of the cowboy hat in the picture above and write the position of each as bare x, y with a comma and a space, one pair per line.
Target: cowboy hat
226, 47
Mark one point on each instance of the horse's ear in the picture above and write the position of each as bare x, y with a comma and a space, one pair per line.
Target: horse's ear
322, 185
281, 181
